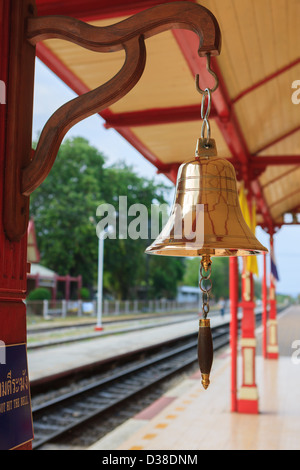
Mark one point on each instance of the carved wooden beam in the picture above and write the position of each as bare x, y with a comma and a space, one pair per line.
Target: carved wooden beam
128, 35
80, 108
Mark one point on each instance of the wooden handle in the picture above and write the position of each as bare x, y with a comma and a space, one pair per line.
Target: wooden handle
205, 351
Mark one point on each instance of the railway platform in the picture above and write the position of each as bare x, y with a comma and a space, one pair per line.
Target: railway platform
189, 418
55, 360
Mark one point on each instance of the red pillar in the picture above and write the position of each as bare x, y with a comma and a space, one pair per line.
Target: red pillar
265, 306
233, 294
248, 393
67, 290
272, 346
54, 289
16, 423
79, 286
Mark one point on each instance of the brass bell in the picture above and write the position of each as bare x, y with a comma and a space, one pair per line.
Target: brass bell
206, 220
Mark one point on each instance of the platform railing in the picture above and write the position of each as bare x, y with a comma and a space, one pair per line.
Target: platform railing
49, 309
63, 308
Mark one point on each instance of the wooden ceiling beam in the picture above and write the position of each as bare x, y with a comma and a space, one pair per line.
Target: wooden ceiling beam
277, 140
285, 197
274, 160
155, 116
92, 10
266, 80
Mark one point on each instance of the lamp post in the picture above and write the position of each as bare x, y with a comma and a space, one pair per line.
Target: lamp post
102, 235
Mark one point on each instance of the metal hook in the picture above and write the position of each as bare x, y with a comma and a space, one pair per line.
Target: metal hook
212, 73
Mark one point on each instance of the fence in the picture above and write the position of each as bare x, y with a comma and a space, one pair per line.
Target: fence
62, 308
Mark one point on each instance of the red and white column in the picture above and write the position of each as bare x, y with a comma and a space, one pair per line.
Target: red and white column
272, 324
248, 392
265, 306
233, 294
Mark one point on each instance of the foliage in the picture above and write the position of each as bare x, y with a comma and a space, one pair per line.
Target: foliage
124, 259
165, 274
40, 293
85, 293
219, 276
64, 209
63, 206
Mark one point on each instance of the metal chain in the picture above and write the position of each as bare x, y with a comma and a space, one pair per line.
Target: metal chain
205, 115
206, 93
205, 285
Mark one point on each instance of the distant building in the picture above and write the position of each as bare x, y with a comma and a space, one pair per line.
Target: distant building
40, 276
188, 294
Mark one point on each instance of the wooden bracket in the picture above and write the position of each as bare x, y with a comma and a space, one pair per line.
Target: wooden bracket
26, 174
19, 112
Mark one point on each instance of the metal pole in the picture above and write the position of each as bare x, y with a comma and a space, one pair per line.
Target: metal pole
100, 282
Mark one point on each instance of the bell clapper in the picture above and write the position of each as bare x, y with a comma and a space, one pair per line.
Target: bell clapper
205, 344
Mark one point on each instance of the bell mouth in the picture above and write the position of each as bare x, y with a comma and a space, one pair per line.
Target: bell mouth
189, 251
206, 217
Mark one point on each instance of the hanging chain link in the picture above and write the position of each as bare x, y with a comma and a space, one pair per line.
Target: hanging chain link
205, 115
206, 94
205, 285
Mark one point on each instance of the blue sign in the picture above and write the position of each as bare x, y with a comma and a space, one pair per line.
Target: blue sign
16, 427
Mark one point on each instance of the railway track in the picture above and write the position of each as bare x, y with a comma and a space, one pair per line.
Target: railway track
115, 327
71, 410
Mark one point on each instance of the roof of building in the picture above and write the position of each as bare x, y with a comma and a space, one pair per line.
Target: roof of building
254, 119
44, 273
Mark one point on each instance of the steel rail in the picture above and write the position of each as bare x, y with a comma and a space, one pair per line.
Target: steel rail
71, 410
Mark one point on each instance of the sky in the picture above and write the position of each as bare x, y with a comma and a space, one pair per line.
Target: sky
51, 93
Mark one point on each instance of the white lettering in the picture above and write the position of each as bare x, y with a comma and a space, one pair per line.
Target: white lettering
296, 354
111, 460
108, 221
2, 92
138, 228
295, 94
189, 225
2, 353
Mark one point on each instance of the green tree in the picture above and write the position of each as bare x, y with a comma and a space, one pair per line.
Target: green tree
125, 261
165, 274
63, 207
219, 276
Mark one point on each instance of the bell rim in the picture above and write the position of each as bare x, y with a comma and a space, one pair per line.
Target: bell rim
188, 251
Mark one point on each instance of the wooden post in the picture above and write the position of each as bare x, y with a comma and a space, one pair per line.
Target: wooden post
15, 132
